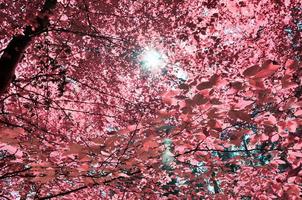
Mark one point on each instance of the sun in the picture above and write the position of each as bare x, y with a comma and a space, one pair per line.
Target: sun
152, 60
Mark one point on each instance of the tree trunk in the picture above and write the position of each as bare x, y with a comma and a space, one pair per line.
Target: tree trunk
13, 53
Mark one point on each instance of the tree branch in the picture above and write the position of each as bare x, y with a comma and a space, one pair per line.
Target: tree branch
64, 193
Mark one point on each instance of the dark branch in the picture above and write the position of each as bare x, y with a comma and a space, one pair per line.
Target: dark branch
64, 193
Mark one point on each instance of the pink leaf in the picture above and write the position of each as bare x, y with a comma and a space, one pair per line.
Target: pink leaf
275, 138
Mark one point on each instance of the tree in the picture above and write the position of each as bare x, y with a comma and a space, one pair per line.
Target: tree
164, 99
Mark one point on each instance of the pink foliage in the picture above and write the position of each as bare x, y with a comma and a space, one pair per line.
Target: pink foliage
84, 116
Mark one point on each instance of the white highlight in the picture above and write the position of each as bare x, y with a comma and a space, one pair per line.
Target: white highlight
179, 72
153, 60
